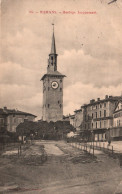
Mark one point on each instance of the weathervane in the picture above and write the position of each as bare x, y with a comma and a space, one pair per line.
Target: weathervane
53, 26
112, 1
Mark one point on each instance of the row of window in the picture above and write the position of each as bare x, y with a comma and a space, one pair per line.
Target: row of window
100, 114
95, 125
117, 123
17, 120
98, 106
87, 117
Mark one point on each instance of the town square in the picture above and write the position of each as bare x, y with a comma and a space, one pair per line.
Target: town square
61, 97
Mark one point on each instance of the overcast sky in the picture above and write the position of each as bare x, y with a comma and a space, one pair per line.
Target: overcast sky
89, 48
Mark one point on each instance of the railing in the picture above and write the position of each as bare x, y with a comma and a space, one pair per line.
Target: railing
10, 146
92, 146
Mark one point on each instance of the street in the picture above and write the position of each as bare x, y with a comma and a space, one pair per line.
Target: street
66, 170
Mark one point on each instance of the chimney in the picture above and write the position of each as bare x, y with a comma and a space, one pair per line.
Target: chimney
98, 99
91, 101
110, 96
5, 108
106, 96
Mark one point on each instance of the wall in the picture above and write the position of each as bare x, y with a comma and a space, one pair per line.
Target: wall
78, 119
3, 122
118, 119
14, 120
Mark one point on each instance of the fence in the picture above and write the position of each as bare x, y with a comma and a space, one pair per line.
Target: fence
10, 146
92, 146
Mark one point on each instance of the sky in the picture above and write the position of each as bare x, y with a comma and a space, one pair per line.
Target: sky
89, 50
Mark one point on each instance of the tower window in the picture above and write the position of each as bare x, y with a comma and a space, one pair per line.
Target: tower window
96, 125
60, 80
60, 105
58, 101
48, 88
51, 58
48, 106
60, 89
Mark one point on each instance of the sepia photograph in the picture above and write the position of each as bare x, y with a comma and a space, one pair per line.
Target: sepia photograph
61, 96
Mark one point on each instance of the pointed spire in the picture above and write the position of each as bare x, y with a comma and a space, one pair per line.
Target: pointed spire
53, 47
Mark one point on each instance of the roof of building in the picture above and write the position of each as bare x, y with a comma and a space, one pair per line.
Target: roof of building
79, 110
64, 117
6, 111
72, 116
119, 101
53, 73
106, 99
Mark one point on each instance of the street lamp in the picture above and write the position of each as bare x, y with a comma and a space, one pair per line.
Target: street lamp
93, 140
109, 137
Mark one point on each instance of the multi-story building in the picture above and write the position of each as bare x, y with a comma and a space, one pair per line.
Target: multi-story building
98, 115
116, 131
10, 119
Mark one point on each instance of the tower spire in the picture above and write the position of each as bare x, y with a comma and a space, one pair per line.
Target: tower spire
53, 46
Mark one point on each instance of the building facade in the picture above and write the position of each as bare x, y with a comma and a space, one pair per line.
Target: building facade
116, 131
10, 119
52, 89
98, 116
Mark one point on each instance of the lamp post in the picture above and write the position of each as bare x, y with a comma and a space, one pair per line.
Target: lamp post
109, 137
93, 140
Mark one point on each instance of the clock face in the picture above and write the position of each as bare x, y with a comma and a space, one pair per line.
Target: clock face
54, 85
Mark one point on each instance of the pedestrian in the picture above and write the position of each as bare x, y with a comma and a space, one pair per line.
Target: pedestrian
109, 142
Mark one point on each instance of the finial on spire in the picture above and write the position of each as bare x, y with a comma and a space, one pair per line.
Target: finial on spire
53, 26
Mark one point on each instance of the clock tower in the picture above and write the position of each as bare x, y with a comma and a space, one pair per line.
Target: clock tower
52, 88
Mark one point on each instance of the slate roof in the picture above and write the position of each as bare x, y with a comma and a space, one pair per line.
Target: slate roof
53, 73
53, 47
